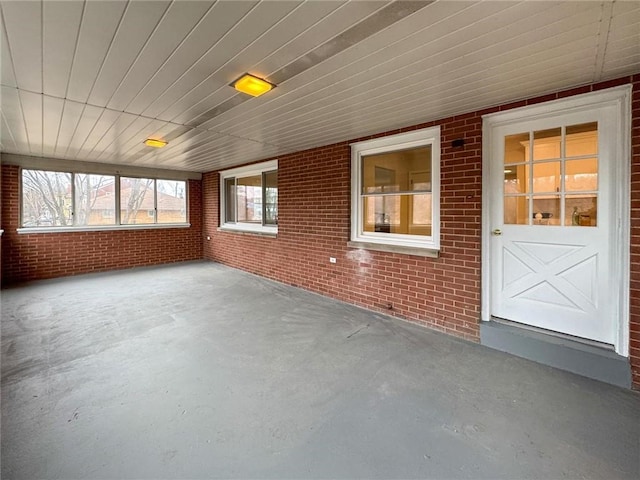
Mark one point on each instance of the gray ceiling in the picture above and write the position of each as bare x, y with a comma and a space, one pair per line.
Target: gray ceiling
91, 80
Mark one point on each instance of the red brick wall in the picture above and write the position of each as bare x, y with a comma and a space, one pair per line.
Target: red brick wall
442, 293
47, 255
313, 225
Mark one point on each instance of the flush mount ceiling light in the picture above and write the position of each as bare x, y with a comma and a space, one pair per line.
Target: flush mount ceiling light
152, 142
252, 85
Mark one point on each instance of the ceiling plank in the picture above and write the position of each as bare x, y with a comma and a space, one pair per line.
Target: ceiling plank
161, 129
180, 20
52, 117
602, 39
112, 135
214, 25
7, 140
104, 124
23, 21
130, 138
71, 114
100, 22
7, 75
32, 110
61, 27
138, 23
89, 117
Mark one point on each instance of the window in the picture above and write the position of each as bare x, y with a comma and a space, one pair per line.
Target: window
137, 201
69, 199
46, 199
551, 176
249, 198
95, 202
395, 190
172, 201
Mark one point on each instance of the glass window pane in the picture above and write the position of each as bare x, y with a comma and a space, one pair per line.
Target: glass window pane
546, 210
546, 177
136, 201
581, 210
230, 200
582, 140
421, 214
249, 199
516, 210
271, 198
581, 175
420, 181
516, 148
46, 199
95, 199
516, 179
172, 201
546, 144
400, 214
401, 171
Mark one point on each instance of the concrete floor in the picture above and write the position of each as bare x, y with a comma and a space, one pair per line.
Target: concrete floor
201, 371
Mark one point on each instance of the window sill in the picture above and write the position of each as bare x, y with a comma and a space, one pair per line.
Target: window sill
100, 228
262, 233
417, 251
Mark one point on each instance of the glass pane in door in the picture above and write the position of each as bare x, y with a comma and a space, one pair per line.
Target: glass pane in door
516, 210
546, 210
581, 175
546, 144
546, 177
516, 148
516, 179
582, 140
581, 211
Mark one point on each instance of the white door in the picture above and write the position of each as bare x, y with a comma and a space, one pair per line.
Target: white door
552, 212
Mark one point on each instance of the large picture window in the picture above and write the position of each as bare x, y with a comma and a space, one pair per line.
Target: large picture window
249, 198
395, 190
84, 200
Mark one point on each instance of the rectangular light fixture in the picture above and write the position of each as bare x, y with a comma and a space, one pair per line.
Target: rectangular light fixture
252, 85
152, 142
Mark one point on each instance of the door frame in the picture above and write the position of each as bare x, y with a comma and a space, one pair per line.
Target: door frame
619, 98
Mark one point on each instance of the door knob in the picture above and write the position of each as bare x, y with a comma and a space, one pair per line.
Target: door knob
497, 232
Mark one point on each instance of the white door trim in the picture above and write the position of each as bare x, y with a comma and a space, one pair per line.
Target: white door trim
620, 97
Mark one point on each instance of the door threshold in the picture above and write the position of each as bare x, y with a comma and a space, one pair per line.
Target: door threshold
586, 358
551, 333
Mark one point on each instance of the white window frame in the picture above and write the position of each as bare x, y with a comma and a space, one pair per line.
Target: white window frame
403, 243
117, 225
246, 171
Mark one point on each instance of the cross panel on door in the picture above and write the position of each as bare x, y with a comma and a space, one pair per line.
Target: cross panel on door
543, 280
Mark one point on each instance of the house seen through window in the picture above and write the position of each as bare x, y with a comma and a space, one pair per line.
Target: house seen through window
249, 198
69, 199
